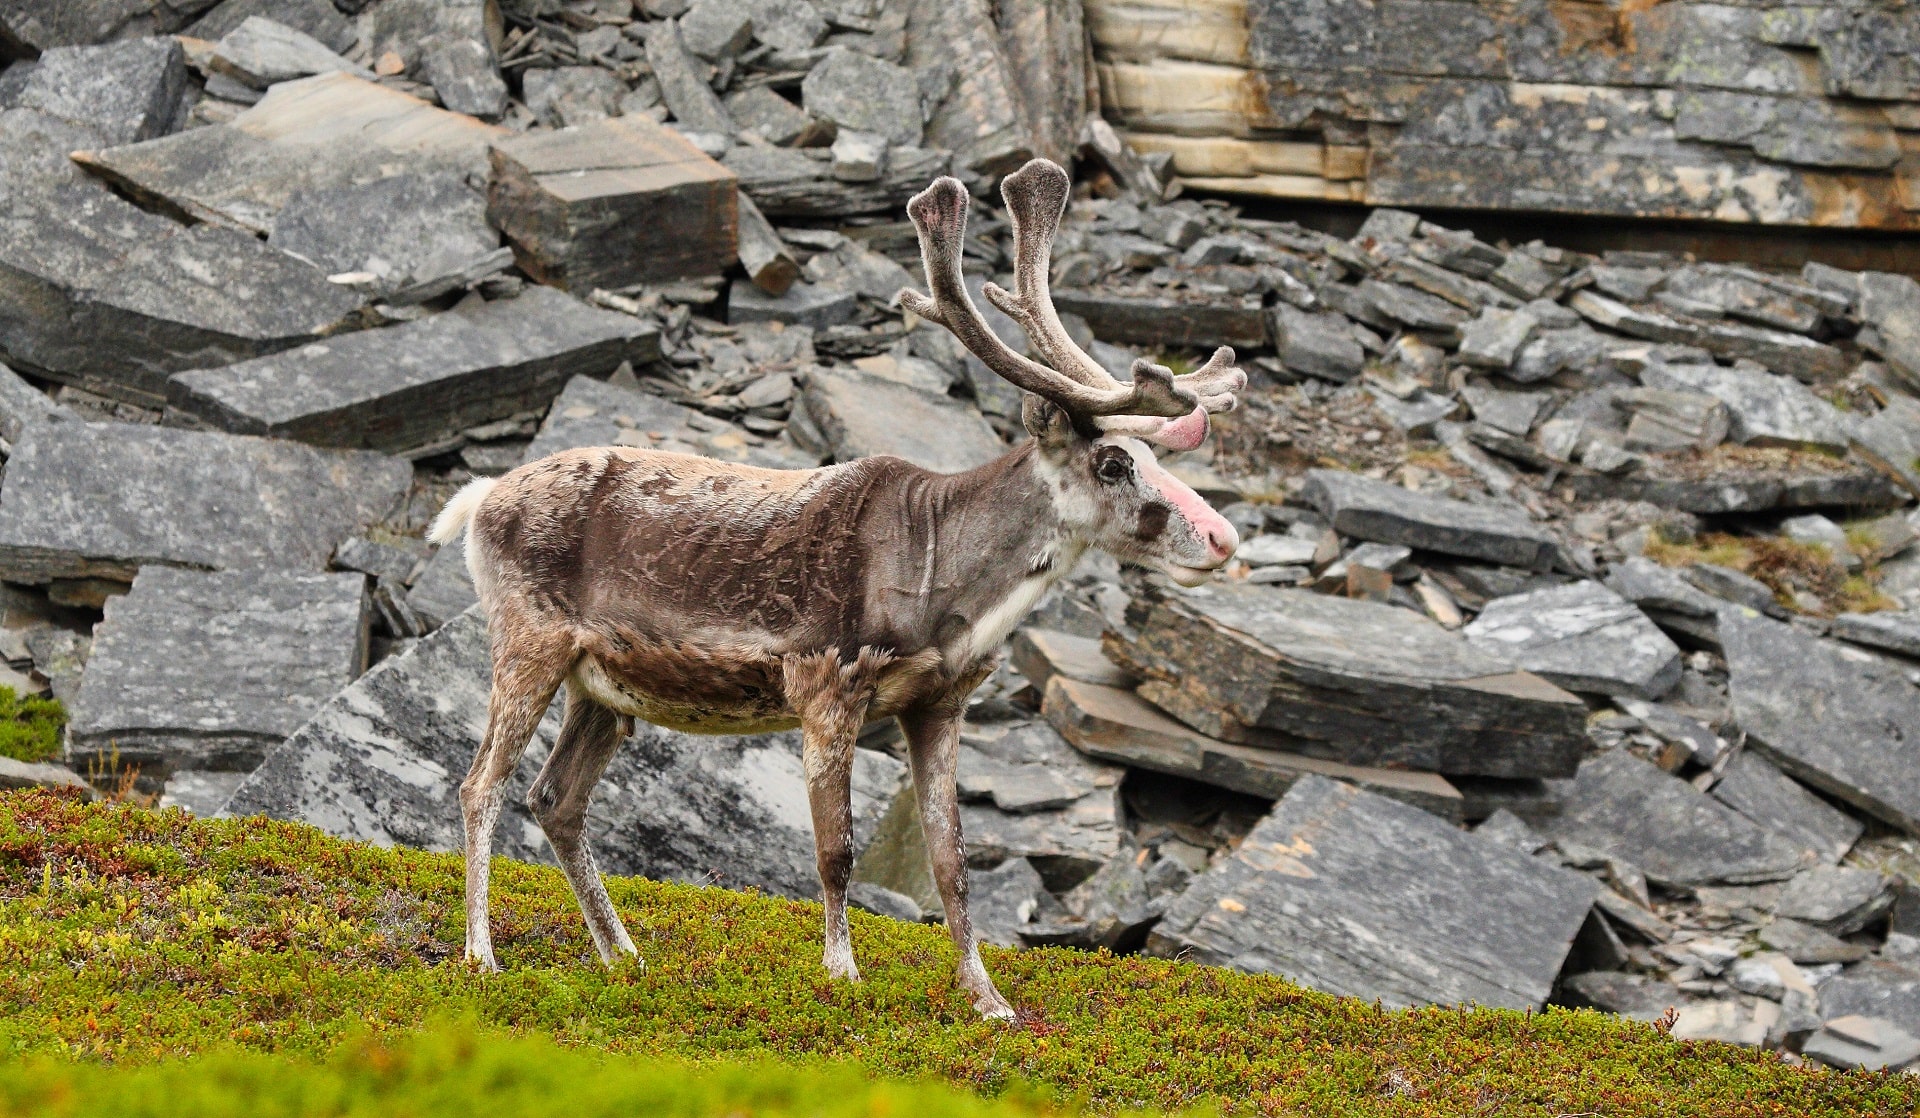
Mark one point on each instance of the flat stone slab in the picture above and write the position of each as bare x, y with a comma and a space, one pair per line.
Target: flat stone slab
124, 91
383, 762
100, 500
1677, 835
1583, 637
862, 415
211, 669
418, 383
1837, 719
612, 203
1766, 409
101, 294
1026, 793
331, 130
1117, 725
1755, 788
1358, 682
403, 230
1893, 631
1355, 894
1726, 492
1387, 513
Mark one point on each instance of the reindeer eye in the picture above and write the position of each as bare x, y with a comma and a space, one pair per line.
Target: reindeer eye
1113, 468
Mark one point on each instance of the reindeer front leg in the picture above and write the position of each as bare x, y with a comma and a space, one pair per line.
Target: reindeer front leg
933, 749
831, 699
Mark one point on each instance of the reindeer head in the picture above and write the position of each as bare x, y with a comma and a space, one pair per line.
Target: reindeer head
1092, 430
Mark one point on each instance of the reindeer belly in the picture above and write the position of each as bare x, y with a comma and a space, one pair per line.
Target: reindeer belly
695, 694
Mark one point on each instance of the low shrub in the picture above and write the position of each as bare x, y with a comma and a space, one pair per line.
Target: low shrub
129, 936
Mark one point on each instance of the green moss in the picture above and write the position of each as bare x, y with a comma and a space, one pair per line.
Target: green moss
132, 936
458, 1070
30, 728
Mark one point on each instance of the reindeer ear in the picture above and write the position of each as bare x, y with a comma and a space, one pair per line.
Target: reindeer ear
1046, 421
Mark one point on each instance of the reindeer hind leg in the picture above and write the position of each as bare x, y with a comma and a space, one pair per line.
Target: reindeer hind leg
558, 800
525, 678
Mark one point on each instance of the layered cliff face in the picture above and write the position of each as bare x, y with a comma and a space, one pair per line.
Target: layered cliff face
1774, 114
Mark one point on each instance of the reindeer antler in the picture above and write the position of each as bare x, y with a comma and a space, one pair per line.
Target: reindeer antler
1157, 406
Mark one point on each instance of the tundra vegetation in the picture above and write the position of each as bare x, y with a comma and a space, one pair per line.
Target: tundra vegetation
149, 959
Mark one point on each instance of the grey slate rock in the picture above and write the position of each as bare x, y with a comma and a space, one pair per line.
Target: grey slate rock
1583, 637
211, 669
787, 25
569, 96
1865, 1043
383, 761
1893, 631
592, 412
1411, 307
1117, 903
318, 18
1072, 824
96, 293
1651, 586
860, 93
121, 92
199, 791
1387, 513
881, 901
817, 305
1677, 835
1355, 894
85, 500
33, 774
1004, 901
717, 29
1756, 789
1766, 410
1729, 585
1837, 899
61, 656
1358, 682
1493, 340
1804, 943
261, 52
22, 404
1317, 345
1512, 412
1837, 719
419, 383
464, 76
403, 229
1639, 996
759, 109
862, 415
693, 103
1874, 991
1114, 724
444, 588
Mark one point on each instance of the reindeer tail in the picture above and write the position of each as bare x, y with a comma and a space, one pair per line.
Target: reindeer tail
453, 519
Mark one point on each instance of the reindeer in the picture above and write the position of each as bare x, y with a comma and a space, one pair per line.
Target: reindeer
718, 598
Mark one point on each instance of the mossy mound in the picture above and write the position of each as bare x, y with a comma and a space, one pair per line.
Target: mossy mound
30, 727
132, 936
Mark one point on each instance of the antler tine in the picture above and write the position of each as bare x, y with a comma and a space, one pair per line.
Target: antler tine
939, 214
1036, 197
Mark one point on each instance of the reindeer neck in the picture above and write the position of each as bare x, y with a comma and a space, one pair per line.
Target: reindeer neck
995, 541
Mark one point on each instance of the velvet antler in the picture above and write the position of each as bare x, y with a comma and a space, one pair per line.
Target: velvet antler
1156, 406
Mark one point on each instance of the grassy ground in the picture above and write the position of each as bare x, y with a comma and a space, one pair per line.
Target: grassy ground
129, 936
30, 727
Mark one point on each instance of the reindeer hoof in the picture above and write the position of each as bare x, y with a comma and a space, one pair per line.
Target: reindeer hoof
994, 1008
842, 968
485, 964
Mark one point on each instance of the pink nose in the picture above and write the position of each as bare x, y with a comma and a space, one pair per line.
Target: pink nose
1221, 541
